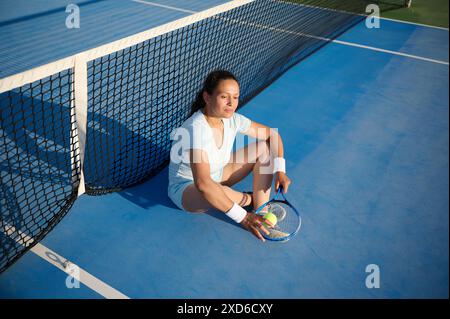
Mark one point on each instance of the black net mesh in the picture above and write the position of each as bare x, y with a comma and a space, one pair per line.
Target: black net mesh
38, 176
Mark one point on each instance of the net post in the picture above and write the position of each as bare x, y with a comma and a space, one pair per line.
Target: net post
79, 121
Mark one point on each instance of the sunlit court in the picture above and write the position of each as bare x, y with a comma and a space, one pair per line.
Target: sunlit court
315, 162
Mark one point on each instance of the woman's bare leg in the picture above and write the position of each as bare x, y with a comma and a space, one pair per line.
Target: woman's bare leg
251, 158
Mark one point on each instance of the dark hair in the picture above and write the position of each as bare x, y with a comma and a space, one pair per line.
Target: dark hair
211, 82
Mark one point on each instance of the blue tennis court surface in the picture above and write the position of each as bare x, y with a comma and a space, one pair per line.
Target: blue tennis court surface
366, 140
41, 27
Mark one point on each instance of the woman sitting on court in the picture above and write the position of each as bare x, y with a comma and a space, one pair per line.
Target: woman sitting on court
203, 168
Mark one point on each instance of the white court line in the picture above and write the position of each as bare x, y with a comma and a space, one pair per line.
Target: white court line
389, 51
365, 15
163, 6
341, 42
64, 265
416, 57
415, 23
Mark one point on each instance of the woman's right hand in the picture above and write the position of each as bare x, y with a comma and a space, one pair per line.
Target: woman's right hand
254, 224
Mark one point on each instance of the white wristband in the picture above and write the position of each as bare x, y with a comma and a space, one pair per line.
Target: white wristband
236, 213
279, 165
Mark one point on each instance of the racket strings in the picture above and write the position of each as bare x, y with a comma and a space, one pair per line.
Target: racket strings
275, 233
286, 220
277, 210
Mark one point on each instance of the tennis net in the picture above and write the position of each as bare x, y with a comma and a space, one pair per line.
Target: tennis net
99, 121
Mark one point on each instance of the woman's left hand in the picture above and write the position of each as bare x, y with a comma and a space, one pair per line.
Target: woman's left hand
281, 179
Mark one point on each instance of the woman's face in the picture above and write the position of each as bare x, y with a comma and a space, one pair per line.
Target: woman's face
224, 100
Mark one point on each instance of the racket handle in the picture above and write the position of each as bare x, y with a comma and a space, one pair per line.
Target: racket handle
280, 190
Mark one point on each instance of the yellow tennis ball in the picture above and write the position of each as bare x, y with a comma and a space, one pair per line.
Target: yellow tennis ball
271, 218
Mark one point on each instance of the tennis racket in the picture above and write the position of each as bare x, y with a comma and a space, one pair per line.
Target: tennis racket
288, 218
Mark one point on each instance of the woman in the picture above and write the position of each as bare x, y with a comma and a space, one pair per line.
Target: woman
201, 175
